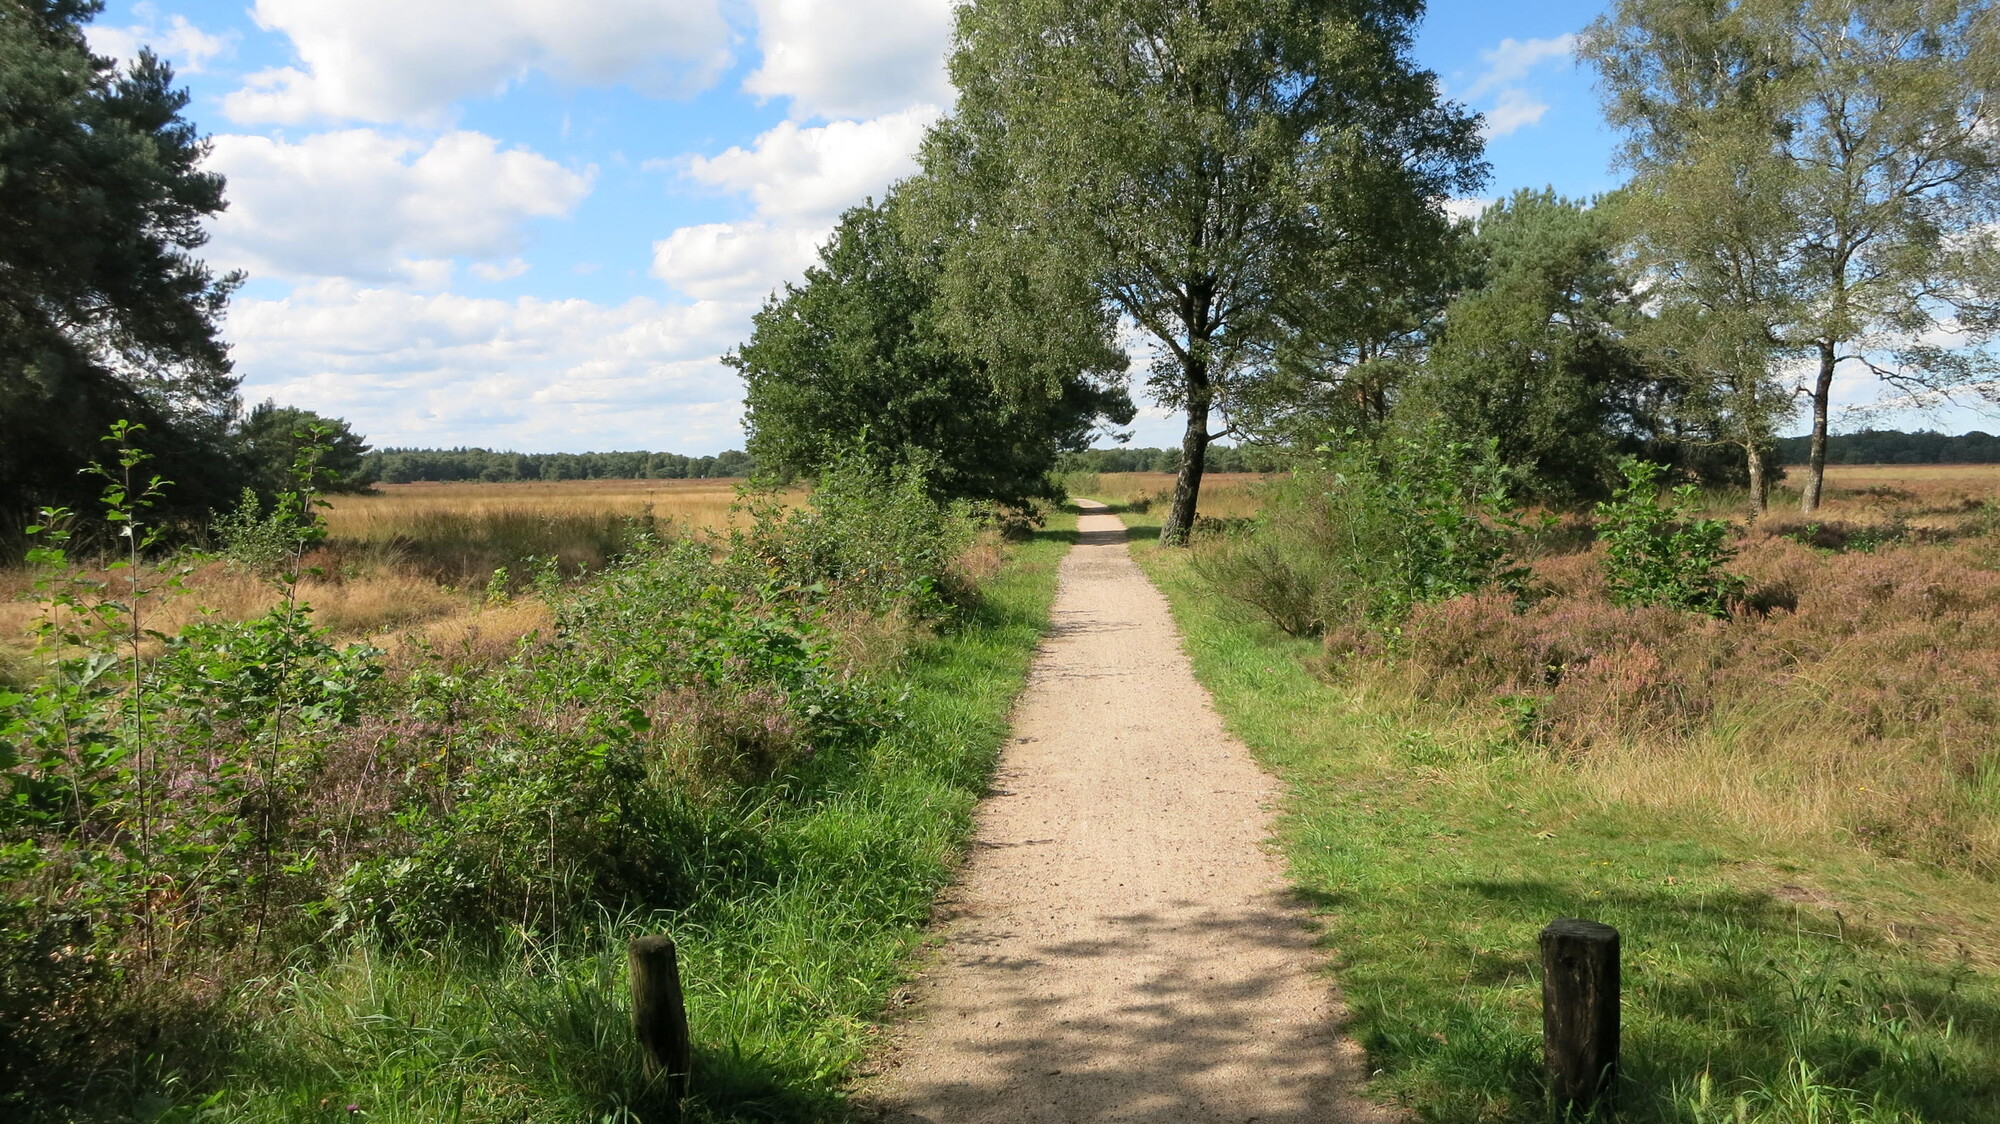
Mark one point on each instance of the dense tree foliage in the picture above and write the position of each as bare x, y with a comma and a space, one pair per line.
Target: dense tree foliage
407, 466
1842, 156
1533, 354
1221, 458
269, 441
1889, 446
104, 311
1240, 179
855, 349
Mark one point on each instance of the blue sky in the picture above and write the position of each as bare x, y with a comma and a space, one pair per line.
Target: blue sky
536, 224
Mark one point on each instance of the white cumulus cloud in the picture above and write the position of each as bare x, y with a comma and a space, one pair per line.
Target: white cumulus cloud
797, 179
1512, 106
187, 47
794, 172
1512, 111
734, 261
442, 369
1512, 59
392, 60
362, 204
851, 58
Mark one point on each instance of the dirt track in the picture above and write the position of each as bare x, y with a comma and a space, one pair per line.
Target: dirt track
1122, 946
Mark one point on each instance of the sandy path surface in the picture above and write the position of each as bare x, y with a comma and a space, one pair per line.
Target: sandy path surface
1122, 946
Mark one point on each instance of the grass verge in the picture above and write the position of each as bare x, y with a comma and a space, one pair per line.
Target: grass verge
788, 958
1435, 846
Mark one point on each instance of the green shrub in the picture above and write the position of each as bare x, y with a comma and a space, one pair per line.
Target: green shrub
1366, 536
1660, 553
871, 539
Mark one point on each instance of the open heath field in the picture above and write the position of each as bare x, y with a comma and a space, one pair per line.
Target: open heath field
442, 563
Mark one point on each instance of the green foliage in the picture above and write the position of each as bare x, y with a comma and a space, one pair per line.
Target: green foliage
255, 791
1370, 534
1532, 356
104, 311
1819, 178
856, 349
868, 536
270, 437
404, 466
1230, 176
1661, 553
252, 539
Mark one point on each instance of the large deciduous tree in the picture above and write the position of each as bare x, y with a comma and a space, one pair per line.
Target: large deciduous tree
104, 312
856, 349
1843, 155
1233, 178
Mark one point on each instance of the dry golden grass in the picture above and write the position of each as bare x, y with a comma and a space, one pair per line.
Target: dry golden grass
397, 509
411, 561
1224, 495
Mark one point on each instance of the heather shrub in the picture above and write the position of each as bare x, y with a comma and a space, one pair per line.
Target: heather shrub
1368, 536
1863, 700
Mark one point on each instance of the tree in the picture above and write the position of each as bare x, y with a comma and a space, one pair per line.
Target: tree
104, 313
856, 349
1534, 354
1228, 176
269, 438
1851, 146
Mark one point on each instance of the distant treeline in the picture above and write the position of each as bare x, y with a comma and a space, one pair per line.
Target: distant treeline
1221, 458
1890, 446
405, 466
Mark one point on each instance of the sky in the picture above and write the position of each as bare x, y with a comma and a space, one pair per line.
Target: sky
538, 224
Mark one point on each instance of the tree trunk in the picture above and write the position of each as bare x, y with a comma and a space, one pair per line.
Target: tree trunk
1187, 486
1816, 459
1760, 486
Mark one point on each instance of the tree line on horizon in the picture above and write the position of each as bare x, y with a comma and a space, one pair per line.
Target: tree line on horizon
410, 465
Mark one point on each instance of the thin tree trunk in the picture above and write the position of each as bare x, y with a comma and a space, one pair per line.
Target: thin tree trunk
1760, 484
1816, 459
1194, 458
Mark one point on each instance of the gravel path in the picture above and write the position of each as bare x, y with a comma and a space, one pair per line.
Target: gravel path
1122, 945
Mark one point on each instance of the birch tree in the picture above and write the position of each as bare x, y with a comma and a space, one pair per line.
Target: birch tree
1827, 169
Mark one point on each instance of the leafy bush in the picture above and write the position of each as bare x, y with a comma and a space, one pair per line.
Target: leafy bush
251, 539
1373, 532
871, 538
1661, 553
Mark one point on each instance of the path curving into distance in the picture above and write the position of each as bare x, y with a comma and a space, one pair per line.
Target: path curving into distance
1122, 945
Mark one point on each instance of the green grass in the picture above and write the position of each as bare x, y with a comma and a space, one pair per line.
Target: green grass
1435, 849
786, 970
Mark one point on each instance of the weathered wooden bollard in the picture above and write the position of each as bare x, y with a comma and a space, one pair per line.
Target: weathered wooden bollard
658, 1015
1580, 1013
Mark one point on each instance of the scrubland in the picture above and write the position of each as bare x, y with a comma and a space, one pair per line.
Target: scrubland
257, 869
1791, 810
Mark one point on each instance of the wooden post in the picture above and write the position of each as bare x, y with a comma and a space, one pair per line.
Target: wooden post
1580, 1013
658, 1016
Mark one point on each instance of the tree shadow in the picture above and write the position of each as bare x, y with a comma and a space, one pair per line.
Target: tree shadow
1736, 985
1194, 1031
